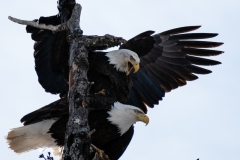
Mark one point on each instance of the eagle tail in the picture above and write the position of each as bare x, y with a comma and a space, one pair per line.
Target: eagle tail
29, 137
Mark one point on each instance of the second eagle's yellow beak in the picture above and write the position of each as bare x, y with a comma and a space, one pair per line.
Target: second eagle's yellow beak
130, 66
136, 67
142, 117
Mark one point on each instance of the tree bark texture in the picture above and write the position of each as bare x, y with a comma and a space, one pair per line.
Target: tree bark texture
77, 139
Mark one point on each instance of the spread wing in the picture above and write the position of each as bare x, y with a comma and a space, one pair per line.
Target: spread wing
168, 60
51, 51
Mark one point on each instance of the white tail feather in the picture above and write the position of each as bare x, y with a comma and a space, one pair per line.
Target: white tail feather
31, 137
57, 151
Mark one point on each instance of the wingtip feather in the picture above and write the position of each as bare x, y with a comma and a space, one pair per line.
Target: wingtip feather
180, 30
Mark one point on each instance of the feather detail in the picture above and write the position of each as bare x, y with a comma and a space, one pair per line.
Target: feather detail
123, 116
31, 137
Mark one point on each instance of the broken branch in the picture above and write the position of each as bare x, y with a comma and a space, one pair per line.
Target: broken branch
58, 28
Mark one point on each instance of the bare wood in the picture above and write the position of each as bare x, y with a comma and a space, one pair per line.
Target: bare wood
70, 25
74, 21
77, 140
57, 28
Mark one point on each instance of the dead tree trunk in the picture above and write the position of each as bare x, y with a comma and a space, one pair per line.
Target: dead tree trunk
77, 141
77, 138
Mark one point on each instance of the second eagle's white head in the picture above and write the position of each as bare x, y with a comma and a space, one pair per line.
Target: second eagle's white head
124, 116
124, 60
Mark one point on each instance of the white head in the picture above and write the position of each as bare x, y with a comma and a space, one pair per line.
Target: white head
124, 60
124, 116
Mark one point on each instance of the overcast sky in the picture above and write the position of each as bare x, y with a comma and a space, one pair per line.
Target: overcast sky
200, 120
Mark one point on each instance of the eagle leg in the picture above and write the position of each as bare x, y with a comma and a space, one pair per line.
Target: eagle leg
102, 92
100, 153
90, 134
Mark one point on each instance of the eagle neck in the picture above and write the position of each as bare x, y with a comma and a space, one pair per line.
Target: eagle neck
122, 116
118, 60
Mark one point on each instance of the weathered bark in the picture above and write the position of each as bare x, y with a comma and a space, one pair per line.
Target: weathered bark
77, 139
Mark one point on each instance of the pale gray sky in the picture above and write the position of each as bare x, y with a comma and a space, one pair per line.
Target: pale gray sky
200, 120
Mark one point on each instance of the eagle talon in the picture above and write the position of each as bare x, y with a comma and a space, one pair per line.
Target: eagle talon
102, 92
100, 152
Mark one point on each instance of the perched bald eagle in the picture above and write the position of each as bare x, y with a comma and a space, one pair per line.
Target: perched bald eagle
46, 127
167, 60
114, 127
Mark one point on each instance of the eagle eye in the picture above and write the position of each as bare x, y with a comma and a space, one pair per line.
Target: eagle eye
137, 111
131, 58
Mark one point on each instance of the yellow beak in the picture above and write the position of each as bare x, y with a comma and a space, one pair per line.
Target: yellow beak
135, 66
142, 117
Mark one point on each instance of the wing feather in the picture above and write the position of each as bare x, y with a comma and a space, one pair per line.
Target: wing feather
51, 56
201, 61
171, 58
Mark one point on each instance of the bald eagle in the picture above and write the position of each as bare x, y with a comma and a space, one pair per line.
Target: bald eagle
46, 127
114, 127
167, 60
